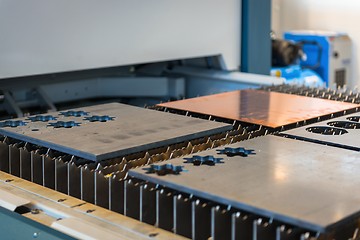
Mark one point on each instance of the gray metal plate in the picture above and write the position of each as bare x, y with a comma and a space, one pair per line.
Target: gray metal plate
300, 183
133, 129
350, 140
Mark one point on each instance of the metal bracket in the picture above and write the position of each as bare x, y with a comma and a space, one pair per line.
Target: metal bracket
38, 96
11, 106
44, 98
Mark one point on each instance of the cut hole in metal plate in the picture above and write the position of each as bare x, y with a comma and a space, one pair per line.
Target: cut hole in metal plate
326, 130
344, 124
354, 118
350, 140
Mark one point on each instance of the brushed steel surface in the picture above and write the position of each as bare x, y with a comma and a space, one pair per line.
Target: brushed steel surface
270, 109
350, 140
133, 130
300, 183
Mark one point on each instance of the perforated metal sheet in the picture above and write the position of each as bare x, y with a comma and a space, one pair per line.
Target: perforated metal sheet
270, 109
133, 129
350, 139
305, 184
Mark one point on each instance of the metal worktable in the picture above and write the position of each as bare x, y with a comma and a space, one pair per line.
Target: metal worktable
299, 183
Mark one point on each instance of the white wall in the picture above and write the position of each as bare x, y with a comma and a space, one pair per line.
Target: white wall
44, 36
334, 15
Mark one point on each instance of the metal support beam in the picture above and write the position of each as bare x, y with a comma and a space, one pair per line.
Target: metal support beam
45, 99
46, 95
11, 106
255, 34
115, 87
201, 81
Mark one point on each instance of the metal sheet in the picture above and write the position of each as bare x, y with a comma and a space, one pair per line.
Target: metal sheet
270, 109
349, 140
299, 183
133, 129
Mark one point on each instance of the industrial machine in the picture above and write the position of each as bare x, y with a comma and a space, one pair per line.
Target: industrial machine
190, 167
328, 54
61, 54
79, 161
286, 56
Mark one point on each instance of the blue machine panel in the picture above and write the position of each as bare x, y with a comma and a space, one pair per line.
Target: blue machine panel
328, 54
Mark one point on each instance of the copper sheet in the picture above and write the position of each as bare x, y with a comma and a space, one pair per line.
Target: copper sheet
270, 109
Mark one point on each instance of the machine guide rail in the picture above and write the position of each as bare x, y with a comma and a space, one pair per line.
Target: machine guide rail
76, 218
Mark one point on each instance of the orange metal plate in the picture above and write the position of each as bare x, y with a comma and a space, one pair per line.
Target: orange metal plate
270, 109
